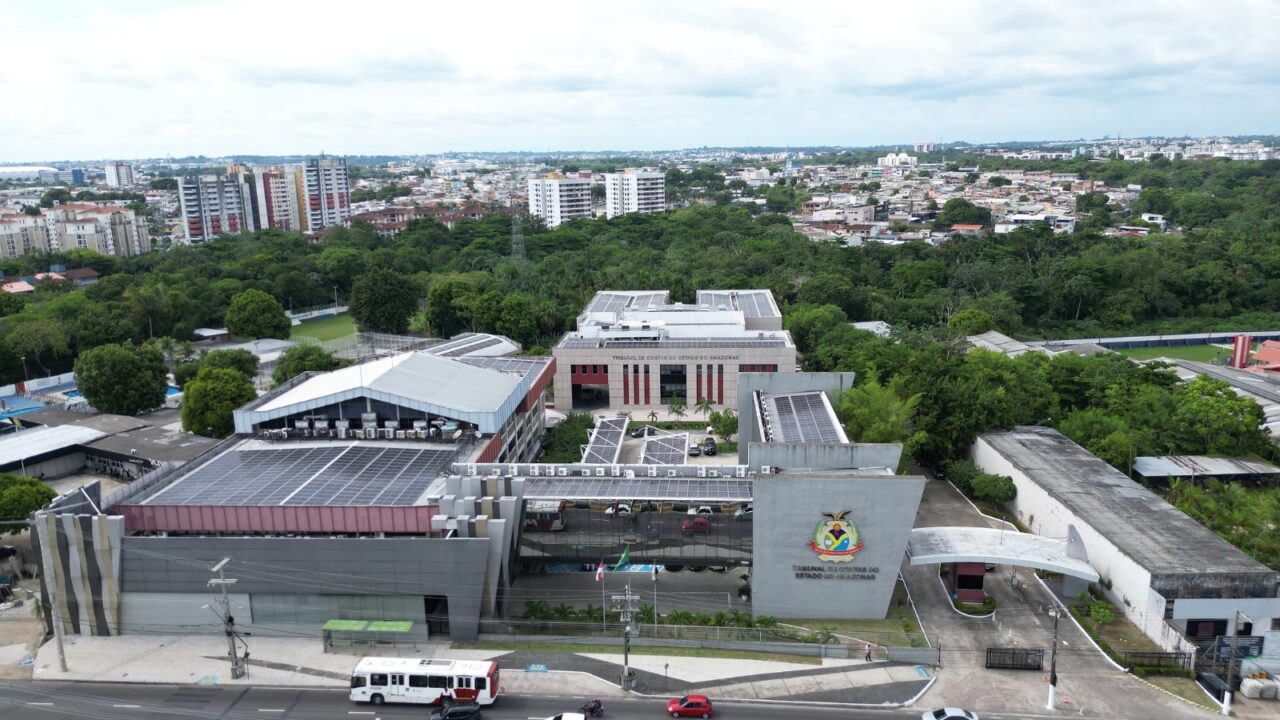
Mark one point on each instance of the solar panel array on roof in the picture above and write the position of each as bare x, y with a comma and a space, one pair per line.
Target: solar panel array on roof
666, 449
638, 488
609, 302
606, 441
587, 343
464, 348
522, 365
340, 475
646, 300
802, 417
754, 305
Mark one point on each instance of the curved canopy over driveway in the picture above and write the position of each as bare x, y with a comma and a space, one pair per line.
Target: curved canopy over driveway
933, 545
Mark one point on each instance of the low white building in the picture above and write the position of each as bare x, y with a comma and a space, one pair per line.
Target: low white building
1175, 579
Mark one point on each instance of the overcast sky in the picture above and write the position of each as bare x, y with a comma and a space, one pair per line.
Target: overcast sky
142, 78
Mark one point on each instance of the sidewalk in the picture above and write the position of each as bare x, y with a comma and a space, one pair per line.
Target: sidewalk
287, 662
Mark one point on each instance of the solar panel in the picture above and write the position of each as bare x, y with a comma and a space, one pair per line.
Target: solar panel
470, 347
605, 442
355, 474
522, 365
639, 488
802, 417
666, 449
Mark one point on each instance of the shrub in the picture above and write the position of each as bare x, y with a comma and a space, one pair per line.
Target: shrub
996, 488
961, 474
1102, 613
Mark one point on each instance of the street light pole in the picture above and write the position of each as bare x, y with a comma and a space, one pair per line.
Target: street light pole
1053, 658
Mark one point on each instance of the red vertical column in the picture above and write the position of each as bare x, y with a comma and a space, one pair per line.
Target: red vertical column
646, 384
626, 394
720, 375
699, 376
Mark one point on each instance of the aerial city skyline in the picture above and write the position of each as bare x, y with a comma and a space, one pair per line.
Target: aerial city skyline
470, 78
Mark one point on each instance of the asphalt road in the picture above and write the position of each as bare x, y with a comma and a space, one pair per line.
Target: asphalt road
55, 701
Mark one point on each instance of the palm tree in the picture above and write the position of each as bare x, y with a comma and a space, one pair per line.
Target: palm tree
705, 407
677, 406
653, 416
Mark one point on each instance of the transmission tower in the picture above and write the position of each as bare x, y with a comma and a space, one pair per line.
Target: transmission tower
517, 233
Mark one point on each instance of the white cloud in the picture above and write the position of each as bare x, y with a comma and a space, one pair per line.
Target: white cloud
98, 78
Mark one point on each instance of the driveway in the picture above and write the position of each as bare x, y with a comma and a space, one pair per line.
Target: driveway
1088, 685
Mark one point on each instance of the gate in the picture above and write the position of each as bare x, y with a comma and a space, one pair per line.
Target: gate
999, 658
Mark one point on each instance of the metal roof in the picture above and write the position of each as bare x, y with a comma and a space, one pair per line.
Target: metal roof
461, 389
474, 345
1203, 465
24, 444
751, 303
254, 473
1001, 343
1158, 536
689, 489
581, 343
933, 545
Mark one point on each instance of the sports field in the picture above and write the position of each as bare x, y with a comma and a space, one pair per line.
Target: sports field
326, 329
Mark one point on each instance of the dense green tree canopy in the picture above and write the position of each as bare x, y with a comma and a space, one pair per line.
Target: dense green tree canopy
209, 400
123, 379
255, 314
20, 496
383, 301
299, 359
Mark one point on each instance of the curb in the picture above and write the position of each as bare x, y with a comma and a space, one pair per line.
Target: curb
957, 610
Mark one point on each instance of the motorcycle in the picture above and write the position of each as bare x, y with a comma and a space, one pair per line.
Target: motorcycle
593, 709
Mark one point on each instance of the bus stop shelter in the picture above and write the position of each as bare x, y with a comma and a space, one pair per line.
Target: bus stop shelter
368, 632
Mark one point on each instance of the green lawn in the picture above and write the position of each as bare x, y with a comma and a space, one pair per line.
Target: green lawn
1199, 353
326, 329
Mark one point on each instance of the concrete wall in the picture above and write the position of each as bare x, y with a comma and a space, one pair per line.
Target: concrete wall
815, 456
789, 510
454, 568
177, 613
1130, 583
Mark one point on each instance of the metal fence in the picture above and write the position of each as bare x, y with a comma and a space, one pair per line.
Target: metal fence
1159, 660
366, 344
1008, 658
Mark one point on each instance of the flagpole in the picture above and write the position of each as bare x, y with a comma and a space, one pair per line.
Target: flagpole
604, 604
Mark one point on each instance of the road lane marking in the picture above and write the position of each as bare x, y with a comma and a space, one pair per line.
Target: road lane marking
359, 712
279, 710
126, 706
40, 703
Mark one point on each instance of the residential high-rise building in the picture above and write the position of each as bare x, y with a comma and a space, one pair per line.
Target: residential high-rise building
119, 174
327, 194
634, 191
275, 198
557, 198
108, 230
214, 205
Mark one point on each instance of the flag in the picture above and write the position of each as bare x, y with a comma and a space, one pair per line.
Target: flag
626, 558
600, 571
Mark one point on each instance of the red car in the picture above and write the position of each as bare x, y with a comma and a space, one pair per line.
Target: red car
690, 705
698, 524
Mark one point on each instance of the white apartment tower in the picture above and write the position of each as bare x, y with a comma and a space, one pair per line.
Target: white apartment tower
635, 191
214, 205
119, 174
327, 194
557, 199
275, 198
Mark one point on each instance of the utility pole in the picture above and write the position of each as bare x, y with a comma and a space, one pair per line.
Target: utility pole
228, 622
1053, 656
1231, 660
628, 600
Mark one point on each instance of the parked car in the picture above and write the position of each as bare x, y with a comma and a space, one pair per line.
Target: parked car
694, 451
949, 714
709, 447
643, 431
718, 568
621, 509
690, 706
744, 512
701, 510
457, 711
696, 524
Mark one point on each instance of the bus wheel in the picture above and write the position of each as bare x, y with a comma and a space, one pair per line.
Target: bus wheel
376, 699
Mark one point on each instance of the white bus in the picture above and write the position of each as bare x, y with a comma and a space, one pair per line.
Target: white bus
544, 515
381, 680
